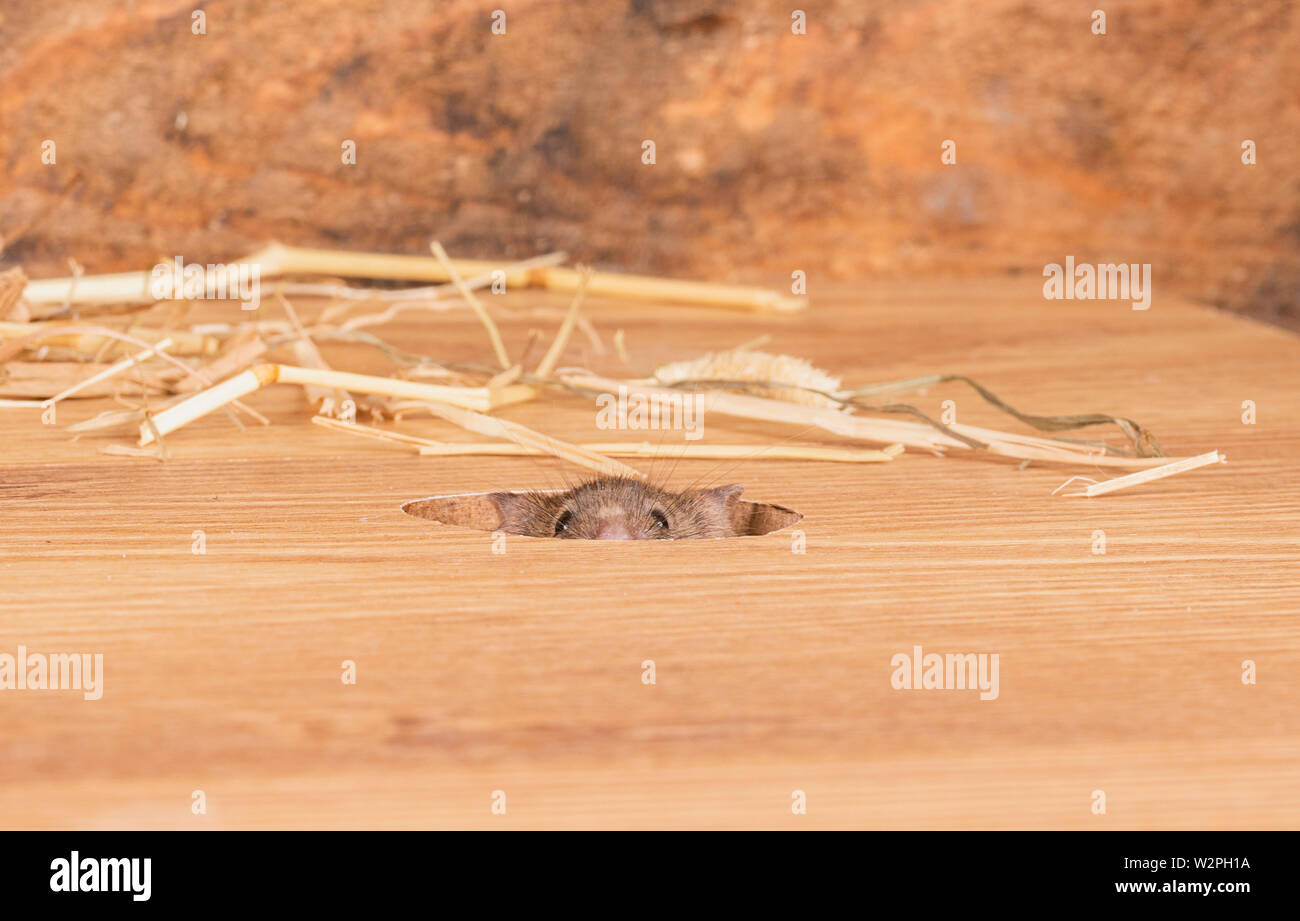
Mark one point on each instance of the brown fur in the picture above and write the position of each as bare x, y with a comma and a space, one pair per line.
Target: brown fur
617, 508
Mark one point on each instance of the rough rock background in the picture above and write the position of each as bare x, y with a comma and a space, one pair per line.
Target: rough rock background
775, 151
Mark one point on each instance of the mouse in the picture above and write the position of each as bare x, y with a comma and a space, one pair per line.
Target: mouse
620, 508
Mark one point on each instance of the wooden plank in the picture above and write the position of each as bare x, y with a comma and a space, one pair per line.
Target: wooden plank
522, 672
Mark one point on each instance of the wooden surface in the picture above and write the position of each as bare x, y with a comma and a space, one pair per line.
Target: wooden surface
522, 672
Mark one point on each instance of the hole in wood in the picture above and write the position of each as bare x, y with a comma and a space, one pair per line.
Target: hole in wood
609, 509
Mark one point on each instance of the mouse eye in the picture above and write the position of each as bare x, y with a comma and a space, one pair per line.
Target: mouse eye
661, 520
562, 523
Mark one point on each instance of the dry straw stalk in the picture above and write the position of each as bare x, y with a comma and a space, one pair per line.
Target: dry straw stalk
278, 260
430, 448
883, 431
246, 382
113, 370
522, 437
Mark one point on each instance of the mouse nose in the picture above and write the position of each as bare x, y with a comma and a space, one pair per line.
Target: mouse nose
613, 529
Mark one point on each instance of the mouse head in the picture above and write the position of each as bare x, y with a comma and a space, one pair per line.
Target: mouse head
617, 508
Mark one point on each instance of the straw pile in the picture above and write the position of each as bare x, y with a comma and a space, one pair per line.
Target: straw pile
110, 335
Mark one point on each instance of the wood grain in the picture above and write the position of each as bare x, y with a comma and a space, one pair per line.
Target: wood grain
522, 672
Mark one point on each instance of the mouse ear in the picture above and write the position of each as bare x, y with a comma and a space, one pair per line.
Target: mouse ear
507, 503
721, 499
